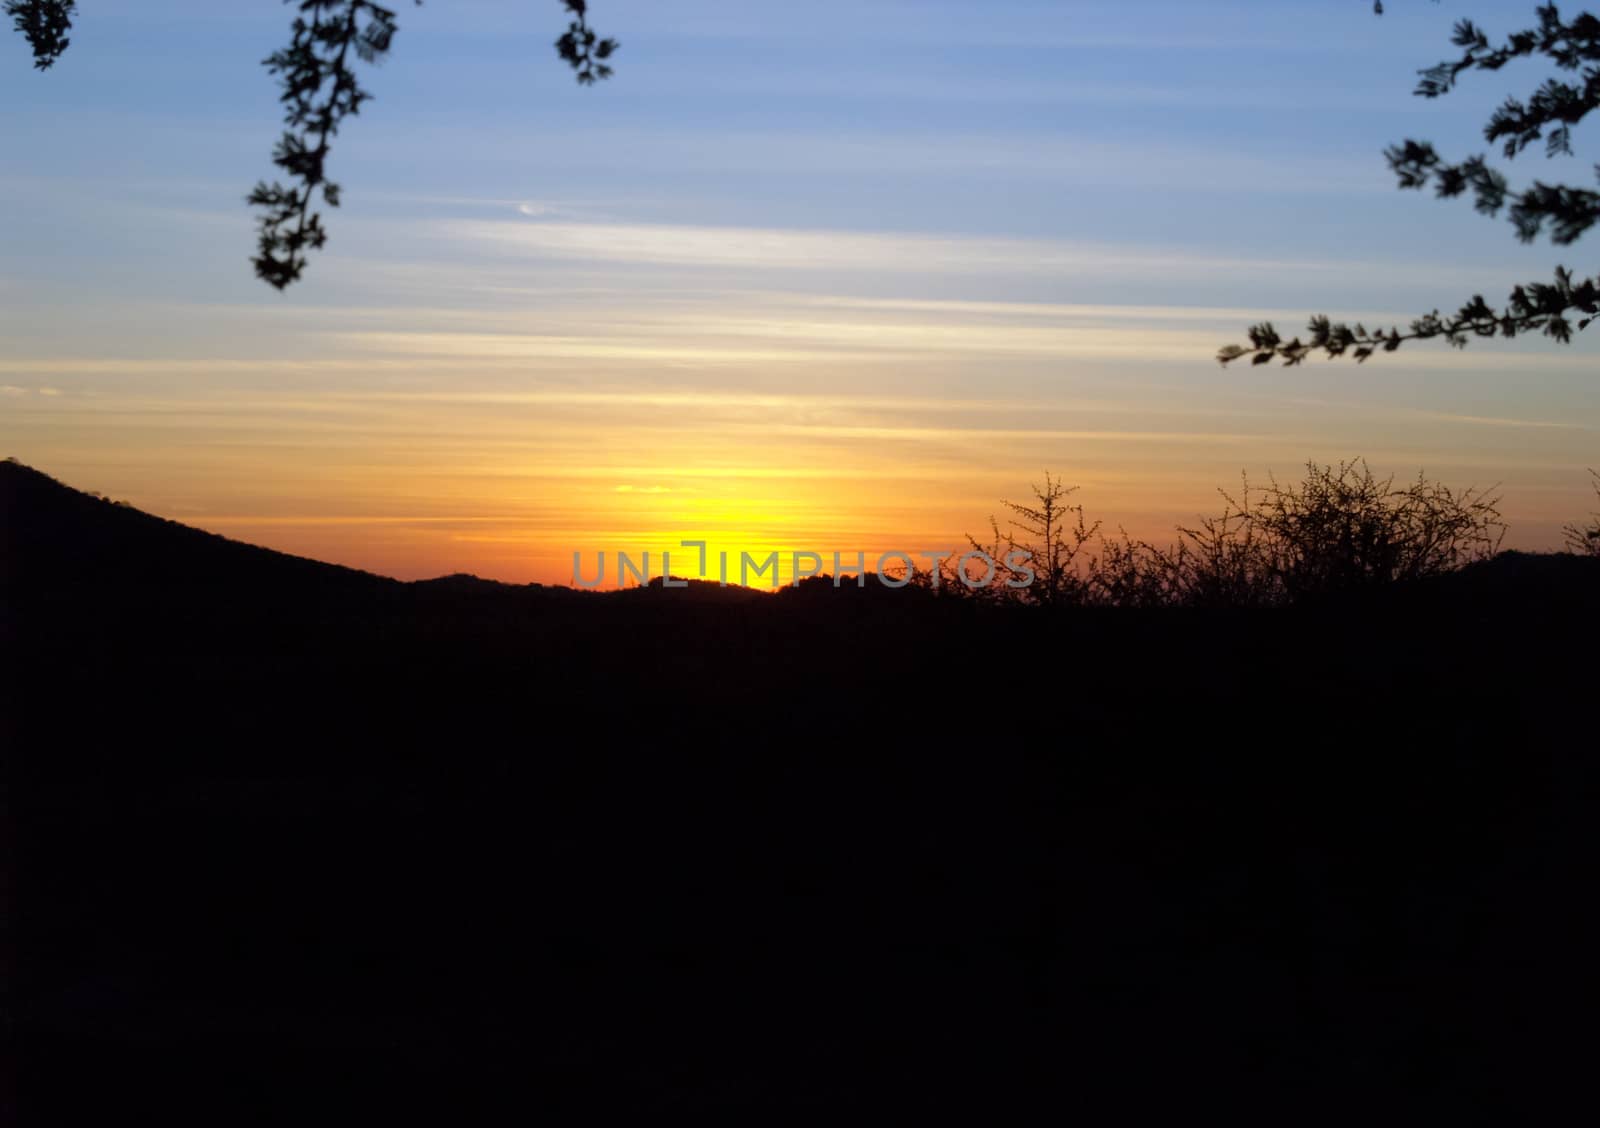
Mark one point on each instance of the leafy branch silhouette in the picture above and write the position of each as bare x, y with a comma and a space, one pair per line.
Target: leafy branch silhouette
583, 50
44, 24
1557, 309
1545, 306
319, 90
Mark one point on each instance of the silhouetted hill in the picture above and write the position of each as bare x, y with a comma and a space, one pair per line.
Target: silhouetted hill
295, 843
56, 536
466, 582
1558, 578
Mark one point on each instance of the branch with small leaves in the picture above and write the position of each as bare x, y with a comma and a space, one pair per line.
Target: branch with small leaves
319, 91
1555, 107
1557, 309
1563, 211
584, 50
44, 24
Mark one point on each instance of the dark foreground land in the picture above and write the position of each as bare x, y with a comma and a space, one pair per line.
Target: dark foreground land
294, 844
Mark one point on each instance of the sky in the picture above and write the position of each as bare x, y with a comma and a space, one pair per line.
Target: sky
821, 277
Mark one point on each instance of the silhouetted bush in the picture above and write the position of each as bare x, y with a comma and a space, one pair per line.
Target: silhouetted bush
1340, 528
1585, 540
1343, 528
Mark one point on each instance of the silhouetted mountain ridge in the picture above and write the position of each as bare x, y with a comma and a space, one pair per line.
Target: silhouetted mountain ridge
57, 536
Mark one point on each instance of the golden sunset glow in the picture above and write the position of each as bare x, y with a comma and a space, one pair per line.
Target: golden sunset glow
501, 442
503, 360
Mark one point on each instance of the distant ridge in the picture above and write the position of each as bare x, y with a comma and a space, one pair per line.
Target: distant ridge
52, 536
56, 537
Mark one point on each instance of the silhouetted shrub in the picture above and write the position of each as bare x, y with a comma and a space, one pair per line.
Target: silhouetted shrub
1585, 540
1130, 573
1343, 528
1340, 528
1051, 533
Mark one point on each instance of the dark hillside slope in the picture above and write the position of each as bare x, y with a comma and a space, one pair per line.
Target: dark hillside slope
57, 537
296, 844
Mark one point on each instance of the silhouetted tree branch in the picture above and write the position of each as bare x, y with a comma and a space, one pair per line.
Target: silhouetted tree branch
319, 90
585, 51
1547, 307
44, 23
1565, 211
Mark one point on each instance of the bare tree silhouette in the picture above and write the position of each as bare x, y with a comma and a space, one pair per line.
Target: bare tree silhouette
1050, 534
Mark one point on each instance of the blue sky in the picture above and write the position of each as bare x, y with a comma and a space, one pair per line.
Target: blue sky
906, 252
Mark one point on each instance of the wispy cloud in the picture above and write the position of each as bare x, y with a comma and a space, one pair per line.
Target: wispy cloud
801, 249
1491, 421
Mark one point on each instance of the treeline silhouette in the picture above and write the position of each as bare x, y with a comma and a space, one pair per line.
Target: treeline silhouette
288, 842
